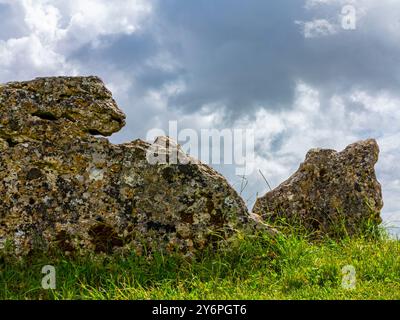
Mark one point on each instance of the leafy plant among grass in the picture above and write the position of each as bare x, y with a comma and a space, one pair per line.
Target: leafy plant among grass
250, 267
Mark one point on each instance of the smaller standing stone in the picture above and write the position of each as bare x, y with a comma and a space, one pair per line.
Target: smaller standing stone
332, 193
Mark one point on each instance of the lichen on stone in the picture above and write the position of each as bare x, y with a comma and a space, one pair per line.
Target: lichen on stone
332, 194
65, 186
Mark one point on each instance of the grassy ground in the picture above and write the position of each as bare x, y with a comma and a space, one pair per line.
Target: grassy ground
288, 267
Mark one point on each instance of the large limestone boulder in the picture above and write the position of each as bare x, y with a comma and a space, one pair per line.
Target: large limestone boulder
332, 193
63, 185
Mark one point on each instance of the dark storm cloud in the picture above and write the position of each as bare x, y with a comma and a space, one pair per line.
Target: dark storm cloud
233, 53
244, 55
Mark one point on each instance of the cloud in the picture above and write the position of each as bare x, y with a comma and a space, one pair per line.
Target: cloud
47, 32
246, 56
317, 28
28, 57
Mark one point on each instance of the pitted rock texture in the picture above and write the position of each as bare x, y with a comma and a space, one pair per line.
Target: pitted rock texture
63, 185
332, 193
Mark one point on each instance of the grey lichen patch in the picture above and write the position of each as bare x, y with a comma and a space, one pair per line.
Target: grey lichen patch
96, 174
332, 193
81, 193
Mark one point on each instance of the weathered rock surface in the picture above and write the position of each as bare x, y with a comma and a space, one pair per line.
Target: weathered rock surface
61, 184
332, 193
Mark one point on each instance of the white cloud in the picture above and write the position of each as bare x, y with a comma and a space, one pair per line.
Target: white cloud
317, 28
29, 57
56, 28
89, 20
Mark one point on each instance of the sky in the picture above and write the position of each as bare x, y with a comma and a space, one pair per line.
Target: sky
298, 73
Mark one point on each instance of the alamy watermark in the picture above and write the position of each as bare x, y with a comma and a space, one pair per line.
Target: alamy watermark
349, 277
210, 146
349, 17
49, 280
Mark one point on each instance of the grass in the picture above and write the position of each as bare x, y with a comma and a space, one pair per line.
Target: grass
286, 267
